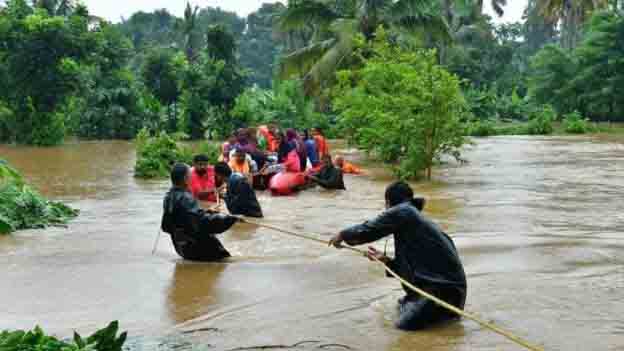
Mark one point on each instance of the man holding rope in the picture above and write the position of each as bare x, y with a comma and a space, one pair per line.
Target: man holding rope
192, 229
424, 256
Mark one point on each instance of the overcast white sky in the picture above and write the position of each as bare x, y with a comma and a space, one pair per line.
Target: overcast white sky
114, 10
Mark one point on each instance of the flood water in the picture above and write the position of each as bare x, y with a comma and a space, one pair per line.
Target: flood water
538, 223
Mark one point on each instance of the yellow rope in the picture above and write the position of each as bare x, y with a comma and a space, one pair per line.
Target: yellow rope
509, 335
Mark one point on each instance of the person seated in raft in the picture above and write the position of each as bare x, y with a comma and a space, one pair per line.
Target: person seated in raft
311, 151
240, 197
329, 177
424, 256
202, 182
192, 229
241, 163
287, 155
227, 147
321, 142
347, 167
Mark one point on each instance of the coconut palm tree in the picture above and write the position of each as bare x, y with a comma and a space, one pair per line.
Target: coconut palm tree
57, 7
192, 35
336, 24
571, 14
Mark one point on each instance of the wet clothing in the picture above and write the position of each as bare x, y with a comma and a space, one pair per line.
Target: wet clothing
192, 229
424, 255
311, 152
330, 177
241, 198
203, 186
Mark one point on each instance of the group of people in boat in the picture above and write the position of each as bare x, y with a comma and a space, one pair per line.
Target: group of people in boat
261, 153
424, 255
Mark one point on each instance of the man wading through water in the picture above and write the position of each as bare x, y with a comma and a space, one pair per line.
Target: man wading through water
192, 229
424, 256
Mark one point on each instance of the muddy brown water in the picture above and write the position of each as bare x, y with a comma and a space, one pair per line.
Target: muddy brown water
538, 222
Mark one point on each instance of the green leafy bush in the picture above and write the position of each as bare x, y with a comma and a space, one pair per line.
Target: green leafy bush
574, 123
482, 128
541, 121
36, 340
402, 106
156, 154
21, 207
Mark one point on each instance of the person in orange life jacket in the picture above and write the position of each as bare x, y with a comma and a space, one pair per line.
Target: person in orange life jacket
192, 229
424, 256
347, 167
321, 143
240, 163
202, 182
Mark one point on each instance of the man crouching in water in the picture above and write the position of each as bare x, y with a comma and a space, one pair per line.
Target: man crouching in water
191, 228
424, 256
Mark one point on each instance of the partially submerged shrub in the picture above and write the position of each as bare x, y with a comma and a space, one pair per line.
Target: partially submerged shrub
574, 123
541, 121
36, 340
22, 207
482, 128
156, 154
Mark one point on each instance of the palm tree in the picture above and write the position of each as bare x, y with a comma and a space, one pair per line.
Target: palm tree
335, 24
571, 14
193, 37
57, 7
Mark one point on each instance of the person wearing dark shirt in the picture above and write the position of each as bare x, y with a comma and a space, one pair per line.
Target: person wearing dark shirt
240, 197
192, 229
329, 177
424, 256
311, 151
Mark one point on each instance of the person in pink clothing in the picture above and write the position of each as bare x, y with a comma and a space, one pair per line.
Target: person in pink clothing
202, 181
287, 155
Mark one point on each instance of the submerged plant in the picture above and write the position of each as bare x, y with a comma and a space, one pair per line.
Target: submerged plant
156, 154
36, 340
22, 207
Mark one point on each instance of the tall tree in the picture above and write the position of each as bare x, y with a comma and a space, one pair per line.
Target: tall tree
571, 14
260, 46
191, 33
42, 55
162, 74
336, 26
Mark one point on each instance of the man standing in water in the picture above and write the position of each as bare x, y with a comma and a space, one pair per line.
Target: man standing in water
191, 228
240, 197
424, 256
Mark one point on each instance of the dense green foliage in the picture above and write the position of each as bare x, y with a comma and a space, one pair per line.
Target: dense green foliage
402, 107
589, 78
156, 154
285, 105
36, 340
21, 207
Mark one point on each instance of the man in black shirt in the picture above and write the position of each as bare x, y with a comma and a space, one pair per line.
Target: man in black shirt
424, 256
330, 176
240, 197
192, 229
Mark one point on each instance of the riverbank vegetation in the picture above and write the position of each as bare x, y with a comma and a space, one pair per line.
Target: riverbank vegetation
105, 339
209, 72
22, 207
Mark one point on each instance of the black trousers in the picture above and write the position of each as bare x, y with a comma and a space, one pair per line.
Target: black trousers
208, 249
416, 313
